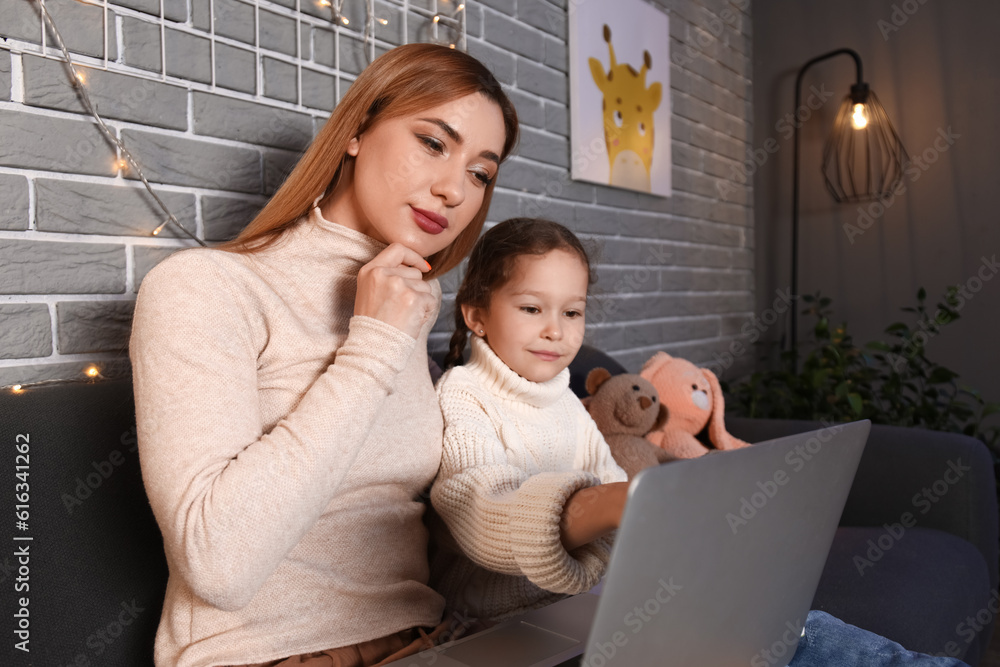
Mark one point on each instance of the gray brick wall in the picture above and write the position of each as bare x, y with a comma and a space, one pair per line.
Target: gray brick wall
218, 99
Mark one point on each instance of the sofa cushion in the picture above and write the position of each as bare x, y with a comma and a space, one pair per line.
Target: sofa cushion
919, 587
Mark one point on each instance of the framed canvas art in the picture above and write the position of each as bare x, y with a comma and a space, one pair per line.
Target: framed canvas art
619, 95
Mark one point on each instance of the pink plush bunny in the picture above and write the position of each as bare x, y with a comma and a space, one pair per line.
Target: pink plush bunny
694, 399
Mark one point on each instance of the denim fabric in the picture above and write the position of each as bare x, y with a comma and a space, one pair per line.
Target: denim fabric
829, 641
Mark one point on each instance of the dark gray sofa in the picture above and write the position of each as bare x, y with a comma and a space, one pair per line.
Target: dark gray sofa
97, 572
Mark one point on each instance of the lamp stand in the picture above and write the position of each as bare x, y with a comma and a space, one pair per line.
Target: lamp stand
795, 187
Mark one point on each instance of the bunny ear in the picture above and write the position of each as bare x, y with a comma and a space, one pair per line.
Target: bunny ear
717, 424
655, 361
595, 378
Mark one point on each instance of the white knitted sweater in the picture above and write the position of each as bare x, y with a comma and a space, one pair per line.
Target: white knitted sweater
284, 444
514, 452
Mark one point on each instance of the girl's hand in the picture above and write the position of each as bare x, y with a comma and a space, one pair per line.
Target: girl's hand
391, 289
592, 513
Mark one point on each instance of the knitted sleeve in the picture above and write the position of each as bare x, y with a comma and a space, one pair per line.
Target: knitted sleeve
232, 501
504, 519
597, 459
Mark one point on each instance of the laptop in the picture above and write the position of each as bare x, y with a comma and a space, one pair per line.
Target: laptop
715, 564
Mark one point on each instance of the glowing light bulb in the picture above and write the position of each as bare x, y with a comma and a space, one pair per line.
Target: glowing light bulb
121, 165
437, 18
159, 229
383, 21
860, 117
16, 388
324, 3
451, 46
343, 19
92, 371
80, 78
460, 8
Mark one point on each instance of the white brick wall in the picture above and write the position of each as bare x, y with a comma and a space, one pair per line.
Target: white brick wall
217, 105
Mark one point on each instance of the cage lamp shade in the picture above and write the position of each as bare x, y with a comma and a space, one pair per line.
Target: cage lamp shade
863, 158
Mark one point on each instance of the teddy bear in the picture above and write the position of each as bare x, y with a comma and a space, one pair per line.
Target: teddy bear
625, 407
693, 397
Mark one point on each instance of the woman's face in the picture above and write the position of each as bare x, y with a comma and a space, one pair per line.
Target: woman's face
420, 179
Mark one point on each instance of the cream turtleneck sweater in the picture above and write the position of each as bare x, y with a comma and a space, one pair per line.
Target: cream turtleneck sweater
514, 452
284, 444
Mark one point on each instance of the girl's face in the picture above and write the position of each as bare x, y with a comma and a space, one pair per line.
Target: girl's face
420, 179
535, 323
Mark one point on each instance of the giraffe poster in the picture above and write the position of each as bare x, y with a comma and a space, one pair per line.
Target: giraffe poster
619, 95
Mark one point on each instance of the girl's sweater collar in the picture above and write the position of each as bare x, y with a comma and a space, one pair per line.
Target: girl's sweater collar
501, 380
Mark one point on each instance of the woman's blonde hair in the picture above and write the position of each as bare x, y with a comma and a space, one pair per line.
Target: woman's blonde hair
403, 81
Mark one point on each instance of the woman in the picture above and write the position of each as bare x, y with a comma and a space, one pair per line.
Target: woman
286, 419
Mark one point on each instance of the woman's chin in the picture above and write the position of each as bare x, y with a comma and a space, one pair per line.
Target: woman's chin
424, 244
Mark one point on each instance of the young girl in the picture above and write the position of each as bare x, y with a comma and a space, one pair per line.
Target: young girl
527, 487
528, 491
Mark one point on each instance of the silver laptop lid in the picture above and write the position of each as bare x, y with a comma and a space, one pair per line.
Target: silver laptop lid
717, 558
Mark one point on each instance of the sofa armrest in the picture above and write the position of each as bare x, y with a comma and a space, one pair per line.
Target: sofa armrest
912, 476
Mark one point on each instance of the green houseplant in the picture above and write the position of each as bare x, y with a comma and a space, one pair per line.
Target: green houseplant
887, 381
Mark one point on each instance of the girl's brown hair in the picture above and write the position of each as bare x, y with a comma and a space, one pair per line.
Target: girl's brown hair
403, 81
492, 263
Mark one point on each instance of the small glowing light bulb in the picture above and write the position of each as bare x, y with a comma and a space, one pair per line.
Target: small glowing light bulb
436, 18
860, 117
383, 21
80, 78
343, 19
324, 3
92, 371
159, 229
16, 388
121, 165
451, 46
460, 8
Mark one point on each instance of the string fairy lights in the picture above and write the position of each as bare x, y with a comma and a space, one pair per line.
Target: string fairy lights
79, 81
124, 160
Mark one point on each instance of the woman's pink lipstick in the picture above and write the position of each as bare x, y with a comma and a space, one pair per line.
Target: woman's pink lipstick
430, 222
545, 356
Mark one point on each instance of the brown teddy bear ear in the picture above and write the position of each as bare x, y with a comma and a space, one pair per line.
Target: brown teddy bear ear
595, 379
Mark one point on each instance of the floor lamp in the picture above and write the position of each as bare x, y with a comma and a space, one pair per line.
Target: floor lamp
863, 159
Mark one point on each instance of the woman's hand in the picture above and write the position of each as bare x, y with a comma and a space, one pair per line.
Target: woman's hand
591, 513
391, 289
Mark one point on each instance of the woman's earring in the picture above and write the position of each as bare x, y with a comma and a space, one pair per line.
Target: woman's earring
481, 332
